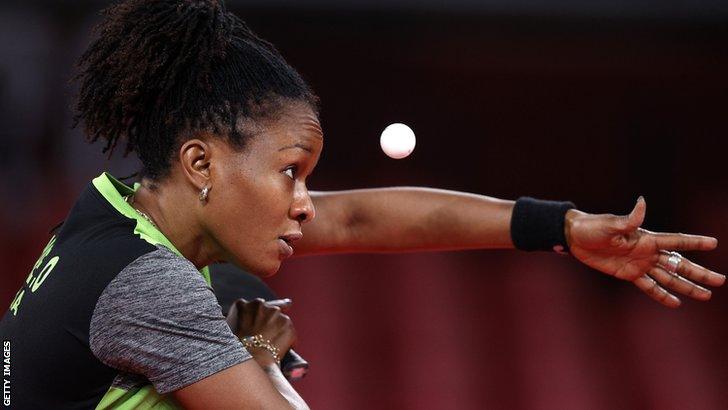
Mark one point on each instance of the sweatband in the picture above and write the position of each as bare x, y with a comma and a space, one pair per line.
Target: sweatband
538, 225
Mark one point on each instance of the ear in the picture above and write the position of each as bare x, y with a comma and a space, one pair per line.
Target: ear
194, 156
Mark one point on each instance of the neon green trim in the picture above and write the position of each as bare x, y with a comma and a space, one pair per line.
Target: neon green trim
206, 274
141, 398
114, 192
145, 397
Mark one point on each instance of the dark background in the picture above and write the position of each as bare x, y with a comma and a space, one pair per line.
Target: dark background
596, 102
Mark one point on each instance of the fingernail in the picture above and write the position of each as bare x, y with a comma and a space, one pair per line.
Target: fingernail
641, 198
279, 302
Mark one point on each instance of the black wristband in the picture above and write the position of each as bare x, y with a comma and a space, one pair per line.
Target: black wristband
538, 225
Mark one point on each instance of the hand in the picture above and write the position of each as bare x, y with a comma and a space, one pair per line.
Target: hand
617, 246
264, 318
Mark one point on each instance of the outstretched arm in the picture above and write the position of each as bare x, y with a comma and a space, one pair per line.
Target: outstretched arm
405, 219
417, 219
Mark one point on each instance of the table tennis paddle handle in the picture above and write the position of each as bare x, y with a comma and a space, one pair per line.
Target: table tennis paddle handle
293, 366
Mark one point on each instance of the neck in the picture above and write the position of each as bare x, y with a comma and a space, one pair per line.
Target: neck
173, 211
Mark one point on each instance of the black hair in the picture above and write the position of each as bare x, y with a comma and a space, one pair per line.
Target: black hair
160, 68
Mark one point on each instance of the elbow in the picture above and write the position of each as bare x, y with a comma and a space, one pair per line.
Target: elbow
355, 219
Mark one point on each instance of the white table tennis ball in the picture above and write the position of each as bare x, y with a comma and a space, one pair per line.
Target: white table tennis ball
397, 140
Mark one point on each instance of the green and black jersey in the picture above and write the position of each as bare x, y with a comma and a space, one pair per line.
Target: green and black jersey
111, 315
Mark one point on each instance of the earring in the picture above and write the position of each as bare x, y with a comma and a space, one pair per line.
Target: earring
203, 194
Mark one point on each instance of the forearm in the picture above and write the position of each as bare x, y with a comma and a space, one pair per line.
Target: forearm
405, 219
239, 318
279, 381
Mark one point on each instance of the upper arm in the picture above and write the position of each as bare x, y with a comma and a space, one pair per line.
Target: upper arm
244, 385
345, 219
329, 229
159, 319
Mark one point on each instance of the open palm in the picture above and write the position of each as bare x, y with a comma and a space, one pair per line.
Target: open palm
617, 246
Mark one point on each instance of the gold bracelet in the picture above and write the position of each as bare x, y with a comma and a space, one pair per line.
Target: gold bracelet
259, 342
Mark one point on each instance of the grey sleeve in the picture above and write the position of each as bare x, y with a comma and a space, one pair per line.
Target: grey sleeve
159, 318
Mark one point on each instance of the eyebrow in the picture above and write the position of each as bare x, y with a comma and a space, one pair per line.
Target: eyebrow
303, 147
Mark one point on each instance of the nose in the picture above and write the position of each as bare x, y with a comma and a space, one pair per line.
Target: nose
302, 208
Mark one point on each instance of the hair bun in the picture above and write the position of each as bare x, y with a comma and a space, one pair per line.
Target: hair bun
159, 67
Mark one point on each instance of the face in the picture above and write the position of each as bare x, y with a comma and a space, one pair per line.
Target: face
259, 200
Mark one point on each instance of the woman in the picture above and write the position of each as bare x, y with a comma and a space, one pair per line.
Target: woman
228, 133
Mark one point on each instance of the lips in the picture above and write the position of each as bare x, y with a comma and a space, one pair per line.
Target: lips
285, 243
286, 250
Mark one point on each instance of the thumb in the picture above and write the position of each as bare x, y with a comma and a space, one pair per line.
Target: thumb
634, 220
284, 304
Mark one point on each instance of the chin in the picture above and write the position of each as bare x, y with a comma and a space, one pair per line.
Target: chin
267, 274
268, 271
260, 269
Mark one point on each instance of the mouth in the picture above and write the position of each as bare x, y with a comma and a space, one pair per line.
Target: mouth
285, 243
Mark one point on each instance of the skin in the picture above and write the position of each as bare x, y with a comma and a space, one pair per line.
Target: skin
259, 191
259, 317
423, 219
251, 384
618, 246
259, 194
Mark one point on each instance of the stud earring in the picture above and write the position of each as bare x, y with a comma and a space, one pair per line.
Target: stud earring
203, 194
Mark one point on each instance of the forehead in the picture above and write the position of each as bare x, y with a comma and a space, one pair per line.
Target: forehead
296, 124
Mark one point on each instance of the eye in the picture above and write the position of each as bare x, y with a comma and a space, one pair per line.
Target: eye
291, 171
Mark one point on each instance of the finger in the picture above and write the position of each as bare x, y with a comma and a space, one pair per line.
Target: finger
634, 220
656, 292
284, 318
693, 271
240, 302
238, 311
250, 304
684, 242
257, 306
679, 284
233, 318
284, 304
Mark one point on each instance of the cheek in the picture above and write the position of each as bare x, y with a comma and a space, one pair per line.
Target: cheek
262, 200
251, 212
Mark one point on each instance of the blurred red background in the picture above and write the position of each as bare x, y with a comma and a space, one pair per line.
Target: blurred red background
596, 107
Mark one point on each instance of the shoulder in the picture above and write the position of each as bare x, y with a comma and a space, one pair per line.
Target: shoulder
159, 318
161, 265
156, 281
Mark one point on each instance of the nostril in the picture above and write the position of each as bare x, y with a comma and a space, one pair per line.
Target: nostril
304, 212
